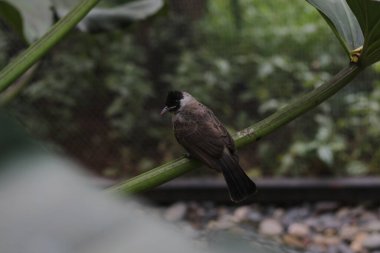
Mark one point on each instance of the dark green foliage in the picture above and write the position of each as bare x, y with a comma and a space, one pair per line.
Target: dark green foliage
99, 95
368, 15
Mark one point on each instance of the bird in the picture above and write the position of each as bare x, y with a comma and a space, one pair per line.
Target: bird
205, 138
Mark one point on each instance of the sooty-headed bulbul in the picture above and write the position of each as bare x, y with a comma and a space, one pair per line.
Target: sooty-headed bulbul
203, 136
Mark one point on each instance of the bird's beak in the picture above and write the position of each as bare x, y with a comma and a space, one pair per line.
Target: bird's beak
164, 110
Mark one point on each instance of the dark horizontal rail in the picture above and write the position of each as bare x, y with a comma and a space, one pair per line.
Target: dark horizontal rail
274, 190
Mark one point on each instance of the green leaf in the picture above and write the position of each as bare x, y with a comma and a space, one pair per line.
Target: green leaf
342, 21
11, 16
36, 17
367, 13
108, 18
326, 155
32, 19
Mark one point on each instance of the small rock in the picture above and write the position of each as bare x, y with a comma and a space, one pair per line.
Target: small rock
344, 214
224, 222
348, 232
357, 243
278, 213
295, 214
343, 248
373, 226
330, 232
328, 221
372, 241
270, 227
357, 211
312, 223
255, 217
298, 230
368, 217
293, 241
241, 213
326, 240
176, 212
332, 249
210, 214
316, 248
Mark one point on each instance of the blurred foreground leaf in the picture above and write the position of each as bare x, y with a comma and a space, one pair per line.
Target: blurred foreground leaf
108, 18
32, 19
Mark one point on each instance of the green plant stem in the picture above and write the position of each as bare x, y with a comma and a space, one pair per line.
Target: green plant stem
18, 86
303, 104
39, 48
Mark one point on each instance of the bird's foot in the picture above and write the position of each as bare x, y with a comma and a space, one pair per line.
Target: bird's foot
187, 155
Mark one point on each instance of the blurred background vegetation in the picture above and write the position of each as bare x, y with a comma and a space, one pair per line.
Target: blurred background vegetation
98, 94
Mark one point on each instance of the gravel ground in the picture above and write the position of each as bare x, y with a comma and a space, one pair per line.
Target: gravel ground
320, 227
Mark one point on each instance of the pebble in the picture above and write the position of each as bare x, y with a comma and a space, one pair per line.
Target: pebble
270, 227
348, 232
368, 217
255, 217
295, 214
332, 249
226, 221
241, 213
278, 213
176, 212
343, 248
357, 243
343, 213
372, 241
313, 223
328, 221
326, 240
298, 230
294, 241
373, 226
316, 248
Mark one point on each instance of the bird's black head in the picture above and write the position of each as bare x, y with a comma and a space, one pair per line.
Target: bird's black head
173, 101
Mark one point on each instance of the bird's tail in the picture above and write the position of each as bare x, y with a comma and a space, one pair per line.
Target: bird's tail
239, 184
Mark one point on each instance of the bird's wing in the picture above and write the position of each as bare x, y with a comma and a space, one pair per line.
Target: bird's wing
203, 138
227, 139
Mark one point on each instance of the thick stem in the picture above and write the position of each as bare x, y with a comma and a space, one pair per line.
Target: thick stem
18, 86
156, 176
39, 48
303, 104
